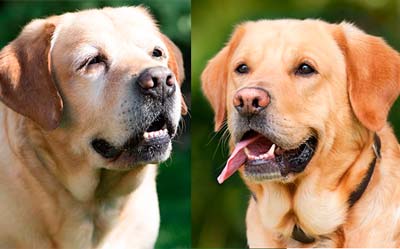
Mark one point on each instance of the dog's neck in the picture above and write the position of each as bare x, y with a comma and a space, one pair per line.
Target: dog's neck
118, 183
361, 187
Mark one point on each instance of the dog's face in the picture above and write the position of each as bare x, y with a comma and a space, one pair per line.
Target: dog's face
113, 84
291, 90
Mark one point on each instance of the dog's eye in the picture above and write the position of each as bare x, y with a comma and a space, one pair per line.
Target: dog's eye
305, 70
242, 69
95, 60
157, 53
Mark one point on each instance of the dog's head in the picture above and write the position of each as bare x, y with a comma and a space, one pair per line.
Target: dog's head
295, 91
105, 83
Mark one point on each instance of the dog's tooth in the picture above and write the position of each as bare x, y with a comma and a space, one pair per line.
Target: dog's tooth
247, 152
146, 135
271, 151
268, 156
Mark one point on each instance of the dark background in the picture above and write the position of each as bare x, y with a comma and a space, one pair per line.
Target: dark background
174, 176
218, 212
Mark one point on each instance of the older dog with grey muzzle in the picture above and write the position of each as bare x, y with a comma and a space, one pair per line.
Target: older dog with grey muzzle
91, 101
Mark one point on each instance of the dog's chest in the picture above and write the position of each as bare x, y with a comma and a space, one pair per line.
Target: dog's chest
86, 226
106, 214
283, 207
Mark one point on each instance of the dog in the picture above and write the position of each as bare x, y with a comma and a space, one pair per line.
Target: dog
306, 104
90, 103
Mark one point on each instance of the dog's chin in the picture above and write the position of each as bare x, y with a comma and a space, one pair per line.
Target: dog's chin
266, 160
151, 146
145, 153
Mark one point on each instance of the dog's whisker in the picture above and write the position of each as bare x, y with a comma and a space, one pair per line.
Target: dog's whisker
220, 141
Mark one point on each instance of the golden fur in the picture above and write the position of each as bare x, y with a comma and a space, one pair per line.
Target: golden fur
344, 105
54, 189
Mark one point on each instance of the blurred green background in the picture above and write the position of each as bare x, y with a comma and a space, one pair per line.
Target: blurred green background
218, 212
174, 176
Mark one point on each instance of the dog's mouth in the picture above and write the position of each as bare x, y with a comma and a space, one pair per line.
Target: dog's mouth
265, 160
149, 146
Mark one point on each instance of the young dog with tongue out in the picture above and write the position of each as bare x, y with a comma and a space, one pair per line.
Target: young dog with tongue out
306, 104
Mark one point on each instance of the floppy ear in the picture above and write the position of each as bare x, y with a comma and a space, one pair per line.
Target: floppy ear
175, 63
373, 74
26, 83
215, 78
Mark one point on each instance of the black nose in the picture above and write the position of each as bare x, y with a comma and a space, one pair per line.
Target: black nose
158, 82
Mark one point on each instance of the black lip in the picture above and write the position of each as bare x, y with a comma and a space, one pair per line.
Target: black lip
137, 147
147, 151
155, 142
104, 148
290, 161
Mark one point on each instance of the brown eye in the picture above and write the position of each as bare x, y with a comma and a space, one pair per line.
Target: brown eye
157, 53
305, 70
242, 69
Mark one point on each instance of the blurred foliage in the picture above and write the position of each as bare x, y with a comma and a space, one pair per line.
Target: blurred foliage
218, 212
173, 17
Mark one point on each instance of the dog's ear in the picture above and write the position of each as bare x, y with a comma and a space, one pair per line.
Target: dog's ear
215, 78
26, 83
373, 74
175, 63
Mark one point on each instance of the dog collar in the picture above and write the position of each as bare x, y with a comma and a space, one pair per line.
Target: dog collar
356, 194
298, 233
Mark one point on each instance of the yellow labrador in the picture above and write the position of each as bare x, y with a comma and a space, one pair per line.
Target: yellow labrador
306, 104
91, 101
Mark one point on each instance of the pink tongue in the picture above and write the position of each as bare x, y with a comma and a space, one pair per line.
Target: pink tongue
237, 158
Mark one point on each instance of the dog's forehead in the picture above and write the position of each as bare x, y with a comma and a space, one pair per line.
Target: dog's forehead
280, 35
129, 25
